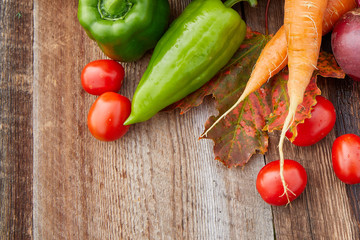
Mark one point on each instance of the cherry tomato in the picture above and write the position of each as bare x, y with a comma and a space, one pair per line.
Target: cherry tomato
269, 185
102, 76
107, 116
346, 158
314, 129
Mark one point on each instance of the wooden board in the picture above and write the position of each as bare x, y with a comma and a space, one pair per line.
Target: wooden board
159, 181
16, 139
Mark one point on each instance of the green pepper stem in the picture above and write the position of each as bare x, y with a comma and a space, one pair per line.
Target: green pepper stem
230, 3
114, 9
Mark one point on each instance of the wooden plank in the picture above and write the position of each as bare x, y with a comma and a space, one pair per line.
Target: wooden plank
317, 212
255, 16
345, 95
323, 211
16, 35
347, 104
158, 182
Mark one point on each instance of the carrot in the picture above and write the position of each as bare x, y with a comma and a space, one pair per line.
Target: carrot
334, 10
273, 57
303, 28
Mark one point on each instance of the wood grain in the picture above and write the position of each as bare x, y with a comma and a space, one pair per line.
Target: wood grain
16, 35
347, 99
158, 182
323, 211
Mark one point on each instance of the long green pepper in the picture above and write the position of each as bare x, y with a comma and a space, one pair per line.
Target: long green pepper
195, 47
124, 29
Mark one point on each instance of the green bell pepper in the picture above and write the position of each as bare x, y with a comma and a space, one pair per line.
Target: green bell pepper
195, 47
124, 29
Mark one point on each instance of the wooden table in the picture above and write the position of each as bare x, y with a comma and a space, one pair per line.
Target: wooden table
158, 182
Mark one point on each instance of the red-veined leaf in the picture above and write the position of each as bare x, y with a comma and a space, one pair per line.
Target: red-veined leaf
244, 131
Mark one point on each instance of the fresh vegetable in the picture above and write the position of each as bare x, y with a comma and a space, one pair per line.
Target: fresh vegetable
124, 29
107, 116
316, 127
244, 132
303, 28
346, 158
273, 57
269, 184
345, 42
196, 46
102, 76
334, 10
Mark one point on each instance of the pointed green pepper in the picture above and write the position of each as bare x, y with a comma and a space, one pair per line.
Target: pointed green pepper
124, 29
195, 47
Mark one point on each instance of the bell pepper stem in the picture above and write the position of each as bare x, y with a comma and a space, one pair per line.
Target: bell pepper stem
114, 9
230, 3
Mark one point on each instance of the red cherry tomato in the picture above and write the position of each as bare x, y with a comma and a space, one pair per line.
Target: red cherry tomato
102, 76
314, 129
107, 116
346, 158
269, 185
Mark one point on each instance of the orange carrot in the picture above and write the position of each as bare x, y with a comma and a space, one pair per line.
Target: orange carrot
334, 10
273, 57
303, 29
